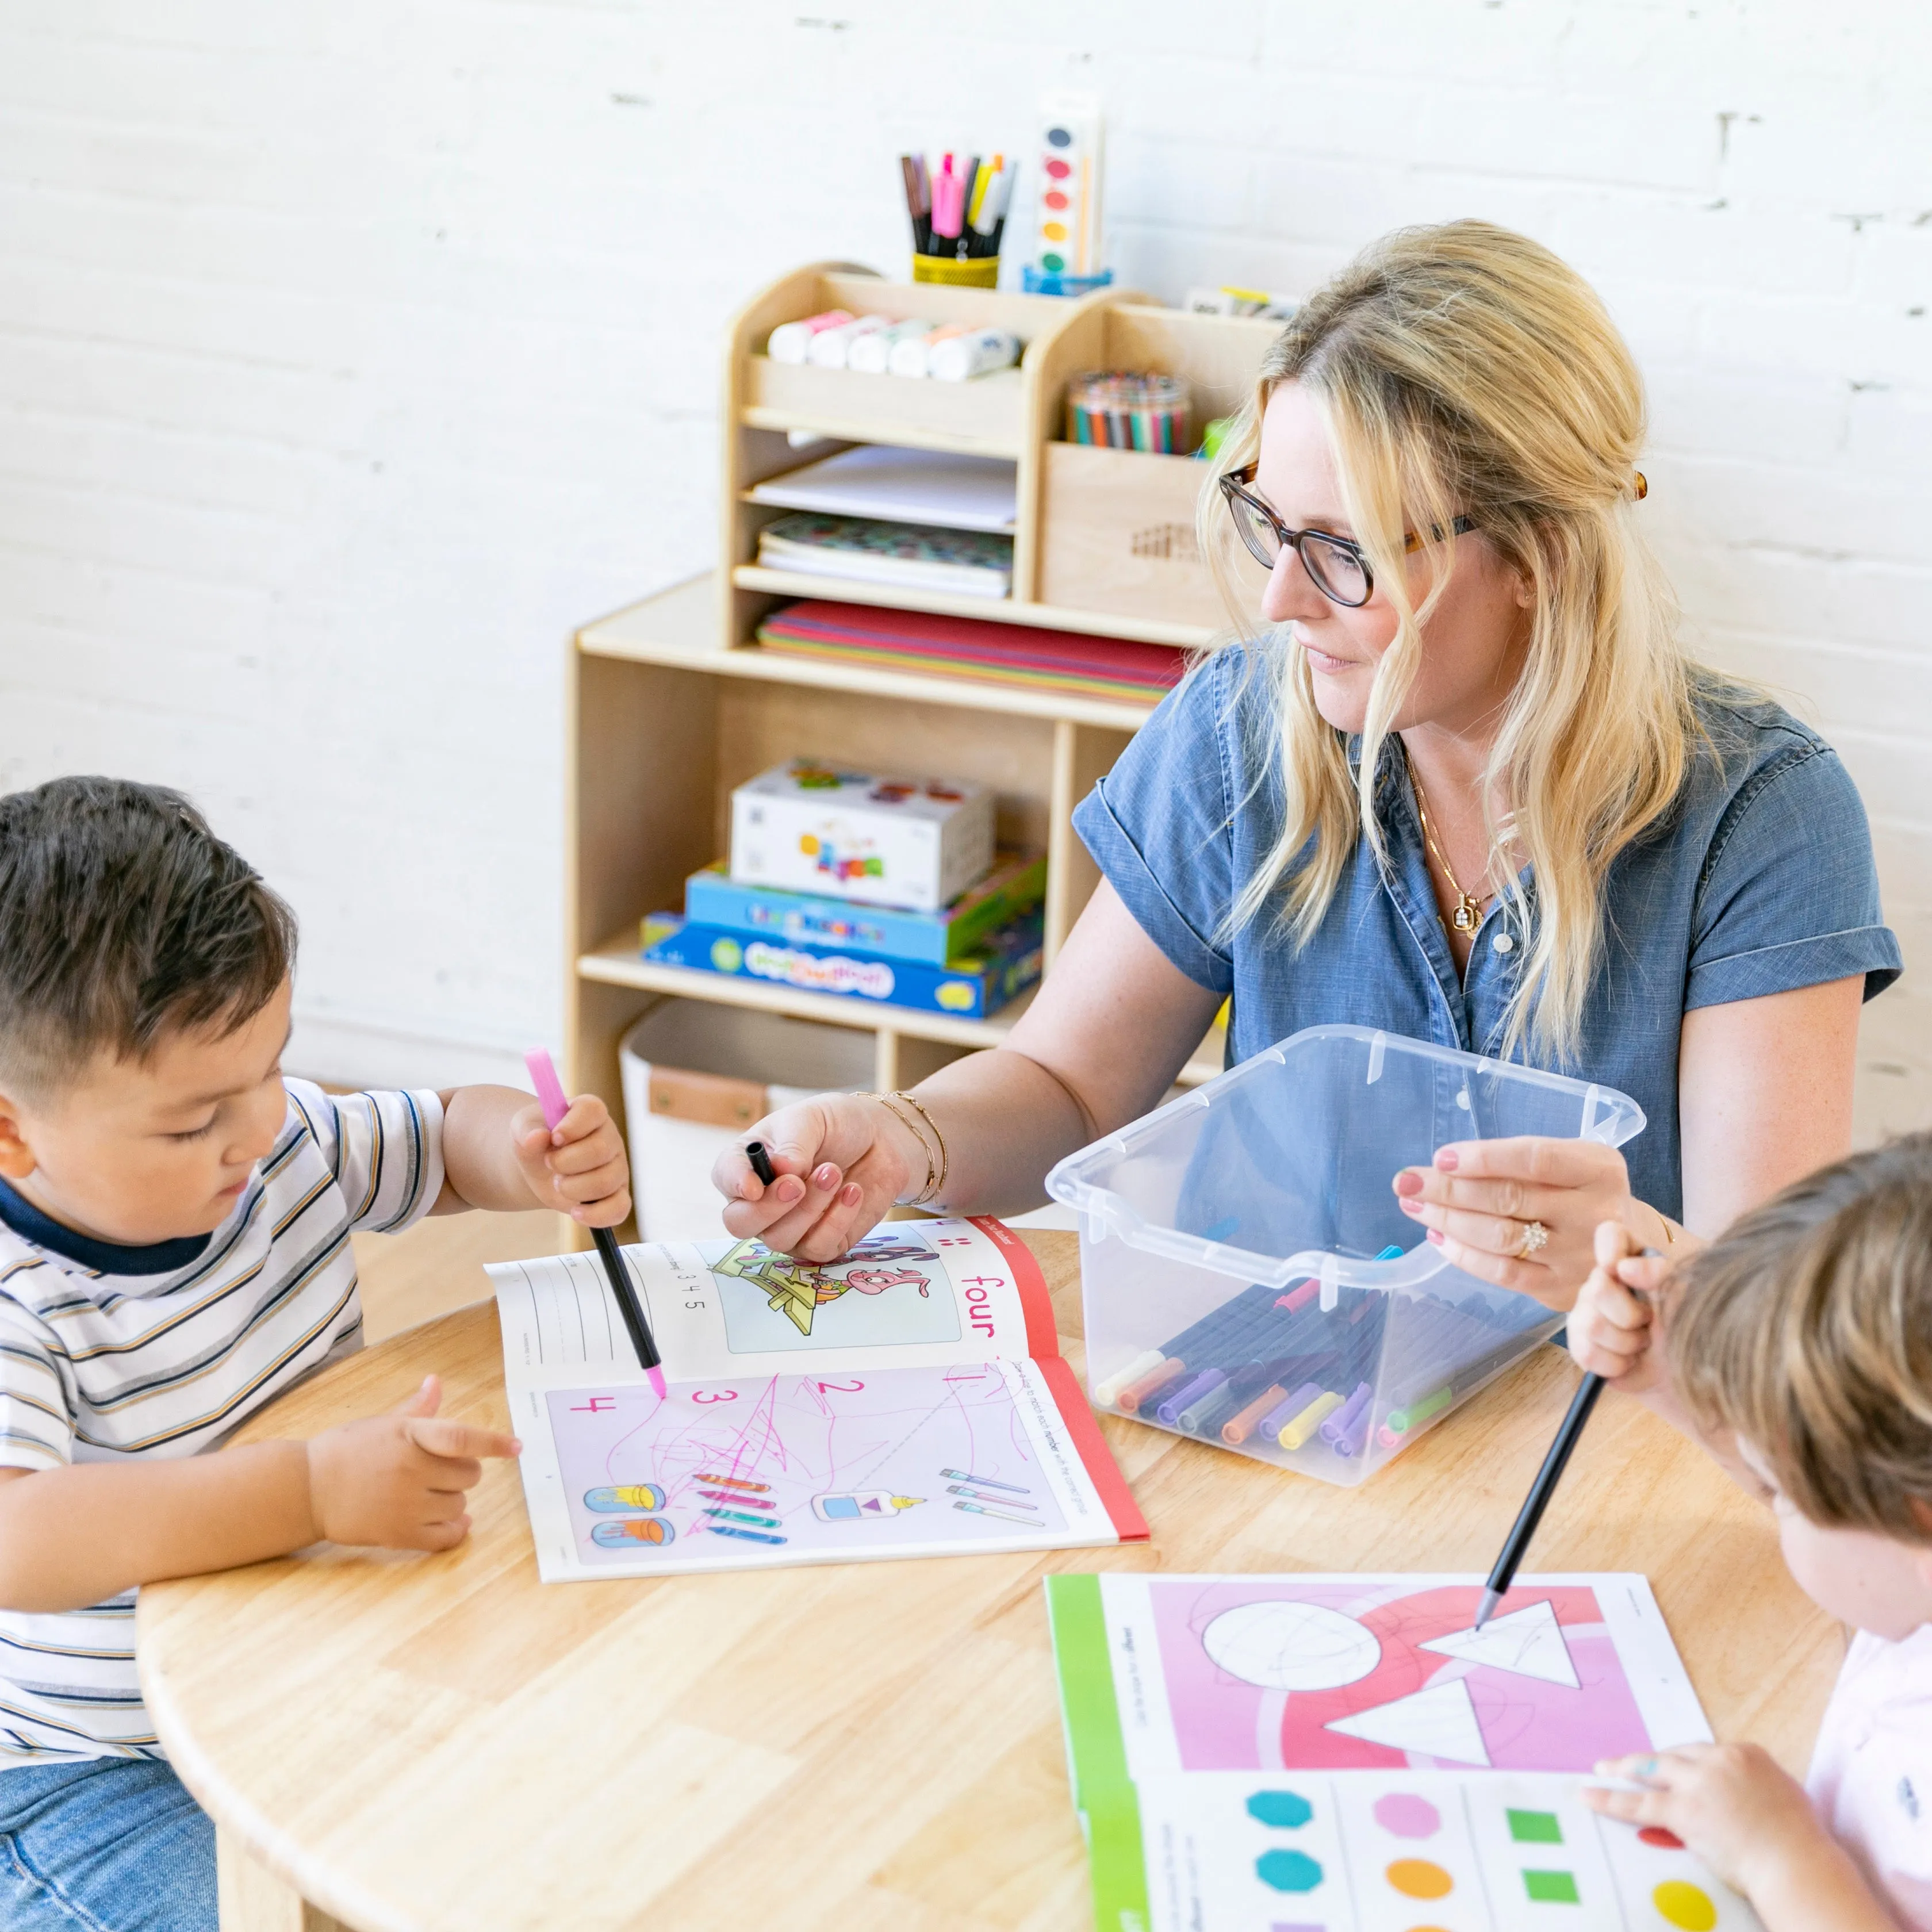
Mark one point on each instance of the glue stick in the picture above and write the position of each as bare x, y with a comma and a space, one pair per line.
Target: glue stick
911, 357
979, 353
789, 341
829, 348
869, 354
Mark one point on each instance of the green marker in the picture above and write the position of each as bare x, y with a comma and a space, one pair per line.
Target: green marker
1401, 1421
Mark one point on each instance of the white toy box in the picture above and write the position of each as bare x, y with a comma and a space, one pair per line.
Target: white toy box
807, 827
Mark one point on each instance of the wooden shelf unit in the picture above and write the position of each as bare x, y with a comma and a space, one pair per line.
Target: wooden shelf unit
670, 704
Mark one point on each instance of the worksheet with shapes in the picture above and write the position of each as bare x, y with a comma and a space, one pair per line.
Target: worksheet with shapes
1349, 1754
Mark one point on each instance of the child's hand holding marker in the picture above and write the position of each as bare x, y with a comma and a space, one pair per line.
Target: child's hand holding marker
578, 1166
1613, 1324
1738, 1810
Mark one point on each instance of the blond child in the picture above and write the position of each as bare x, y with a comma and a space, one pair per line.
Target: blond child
1799, 1347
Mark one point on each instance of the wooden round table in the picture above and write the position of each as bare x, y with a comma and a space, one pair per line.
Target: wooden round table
429, 1742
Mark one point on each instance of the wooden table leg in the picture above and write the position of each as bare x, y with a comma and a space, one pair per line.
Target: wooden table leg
253, 1899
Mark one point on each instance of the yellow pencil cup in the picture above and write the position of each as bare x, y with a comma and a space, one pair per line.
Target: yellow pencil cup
981, 272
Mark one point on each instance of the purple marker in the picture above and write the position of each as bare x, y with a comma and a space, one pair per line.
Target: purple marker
1344, 1419
1353, 1415
1270, 1425
551, 1096
1190, 1392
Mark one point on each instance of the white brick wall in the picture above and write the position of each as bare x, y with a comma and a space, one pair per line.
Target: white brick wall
350, 354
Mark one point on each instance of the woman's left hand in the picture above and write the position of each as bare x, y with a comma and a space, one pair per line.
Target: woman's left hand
1483, 1202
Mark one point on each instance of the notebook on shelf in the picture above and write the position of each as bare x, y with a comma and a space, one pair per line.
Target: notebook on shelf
962, 563
1068, 662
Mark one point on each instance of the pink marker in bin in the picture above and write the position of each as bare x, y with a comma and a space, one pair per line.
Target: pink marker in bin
555, 1104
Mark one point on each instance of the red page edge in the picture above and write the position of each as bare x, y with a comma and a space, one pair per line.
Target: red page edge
1042, 1338
1091, 1446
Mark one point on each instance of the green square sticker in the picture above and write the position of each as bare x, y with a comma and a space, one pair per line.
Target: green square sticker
1551, 1888
1535, 1828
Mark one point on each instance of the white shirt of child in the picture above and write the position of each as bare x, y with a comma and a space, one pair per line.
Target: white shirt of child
96, 1366
1871, 1768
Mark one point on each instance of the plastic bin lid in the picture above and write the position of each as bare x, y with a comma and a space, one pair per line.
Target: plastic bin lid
1340, 1061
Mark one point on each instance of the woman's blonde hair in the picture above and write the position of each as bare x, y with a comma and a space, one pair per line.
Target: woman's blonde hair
1807, 1330
1464, 370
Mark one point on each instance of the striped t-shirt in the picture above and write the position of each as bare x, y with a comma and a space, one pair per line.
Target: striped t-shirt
98, 1361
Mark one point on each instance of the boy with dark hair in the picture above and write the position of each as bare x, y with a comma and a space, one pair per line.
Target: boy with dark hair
175, 1218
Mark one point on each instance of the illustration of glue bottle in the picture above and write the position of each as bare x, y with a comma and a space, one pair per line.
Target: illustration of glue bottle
861, 1506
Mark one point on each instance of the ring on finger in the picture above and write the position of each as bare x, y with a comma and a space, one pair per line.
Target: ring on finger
1535, 1235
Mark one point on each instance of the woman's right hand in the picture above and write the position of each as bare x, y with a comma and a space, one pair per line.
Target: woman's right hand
842, 1160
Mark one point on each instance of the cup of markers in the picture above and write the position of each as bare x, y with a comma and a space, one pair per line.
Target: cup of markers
958, 214
1122, 410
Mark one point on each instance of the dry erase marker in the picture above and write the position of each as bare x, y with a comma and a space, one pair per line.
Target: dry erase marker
1005, 1516
986, 1482
551, 1094
981, 1496
789, 341
1104, 1392
761, 1166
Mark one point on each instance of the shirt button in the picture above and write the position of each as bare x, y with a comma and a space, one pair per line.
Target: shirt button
1503, 943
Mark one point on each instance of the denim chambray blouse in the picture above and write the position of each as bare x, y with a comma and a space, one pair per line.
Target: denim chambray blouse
1759, 879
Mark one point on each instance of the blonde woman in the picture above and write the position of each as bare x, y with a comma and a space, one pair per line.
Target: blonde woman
1464, 786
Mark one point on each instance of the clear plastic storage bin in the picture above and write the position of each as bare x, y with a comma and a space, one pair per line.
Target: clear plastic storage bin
1248, 1277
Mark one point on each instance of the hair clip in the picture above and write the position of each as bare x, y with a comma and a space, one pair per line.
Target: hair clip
1640, 486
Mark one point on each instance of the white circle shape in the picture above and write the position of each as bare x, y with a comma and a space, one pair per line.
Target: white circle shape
1289, 1646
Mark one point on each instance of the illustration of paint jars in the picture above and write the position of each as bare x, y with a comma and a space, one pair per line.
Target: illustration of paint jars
651, 1530
631, 1496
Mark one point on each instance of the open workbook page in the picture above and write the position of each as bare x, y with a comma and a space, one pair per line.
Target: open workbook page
908, 1399
1349, 1754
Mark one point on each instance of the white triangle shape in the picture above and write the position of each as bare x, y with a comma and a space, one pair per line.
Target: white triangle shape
1527, 1642
1439, 1722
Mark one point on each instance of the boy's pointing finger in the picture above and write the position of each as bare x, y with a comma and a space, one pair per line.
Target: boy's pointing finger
440, 1436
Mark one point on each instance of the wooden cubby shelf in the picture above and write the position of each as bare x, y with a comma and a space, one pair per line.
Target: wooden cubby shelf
671, 703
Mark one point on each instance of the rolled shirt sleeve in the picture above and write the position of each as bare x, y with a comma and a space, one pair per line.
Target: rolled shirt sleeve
1158, 825
386, 1149
1789, 895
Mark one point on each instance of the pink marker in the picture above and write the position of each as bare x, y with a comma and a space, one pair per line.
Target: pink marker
555, 1104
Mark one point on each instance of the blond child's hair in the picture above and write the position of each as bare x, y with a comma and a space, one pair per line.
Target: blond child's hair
1465, 370
1807, 1330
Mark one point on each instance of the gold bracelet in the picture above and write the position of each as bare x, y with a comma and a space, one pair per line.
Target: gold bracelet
945, 1159
926, 1191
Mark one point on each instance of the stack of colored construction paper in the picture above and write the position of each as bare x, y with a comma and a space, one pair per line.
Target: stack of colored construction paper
1019, 654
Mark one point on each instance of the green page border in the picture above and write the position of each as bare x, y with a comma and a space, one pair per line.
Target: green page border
1097, 1753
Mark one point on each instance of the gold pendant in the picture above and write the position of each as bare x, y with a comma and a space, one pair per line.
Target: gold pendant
1468, 915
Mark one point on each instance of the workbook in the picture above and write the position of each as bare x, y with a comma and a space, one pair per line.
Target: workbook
907, 1399
1329, 1753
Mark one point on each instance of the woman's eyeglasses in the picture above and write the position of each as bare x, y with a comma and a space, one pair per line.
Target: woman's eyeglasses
1336, 567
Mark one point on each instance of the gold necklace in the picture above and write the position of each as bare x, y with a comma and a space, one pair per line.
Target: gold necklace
1468, 913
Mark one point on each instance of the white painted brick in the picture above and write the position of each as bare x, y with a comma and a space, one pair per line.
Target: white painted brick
349, 355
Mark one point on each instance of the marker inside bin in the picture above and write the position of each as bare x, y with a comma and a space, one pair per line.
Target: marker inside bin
1248, 1274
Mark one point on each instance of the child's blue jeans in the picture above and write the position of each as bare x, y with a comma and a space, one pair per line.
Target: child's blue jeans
111, 1844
